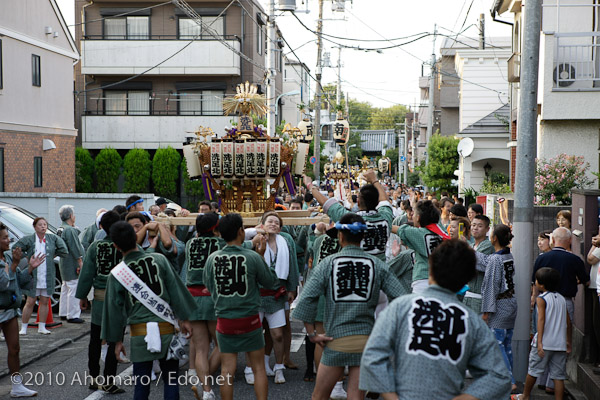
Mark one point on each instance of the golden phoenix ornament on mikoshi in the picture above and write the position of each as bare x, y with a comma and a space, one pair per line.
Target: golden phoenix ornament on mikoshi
246, 101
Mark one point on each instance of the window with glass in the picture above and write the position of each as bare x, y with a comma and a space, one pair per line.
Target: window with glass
127, 28
0, 63
36, 70
37, 171
201, 102
127, 102
259, 39
189, 29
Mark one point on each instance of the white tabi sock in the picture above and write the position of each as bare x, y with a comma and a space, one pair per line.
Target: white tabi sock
41, 326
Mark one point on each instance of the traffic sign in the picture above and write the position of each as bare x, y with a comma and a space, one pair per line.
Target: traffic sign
313, 160
402, 158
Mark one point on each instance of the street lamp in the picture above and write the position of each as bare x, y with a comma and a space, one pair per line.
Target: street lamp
290, 93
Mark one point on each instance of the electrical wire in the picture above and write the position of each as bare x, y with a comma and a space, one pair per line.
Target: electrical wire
163, 61
121, 15
394, 45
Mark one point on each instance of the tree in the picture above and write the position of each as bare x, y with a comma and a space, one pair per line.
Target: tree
443, 161
108, 169
387, 118
165, 171
359, 114
136, 169
84, 171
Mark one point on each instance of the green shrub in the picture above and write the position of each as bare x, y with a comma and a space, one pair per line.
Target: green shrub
165, 172
136, 169
108, 169
84, 171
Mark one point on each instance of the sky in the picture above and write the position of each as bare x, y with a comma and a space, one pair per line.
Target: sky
387, 78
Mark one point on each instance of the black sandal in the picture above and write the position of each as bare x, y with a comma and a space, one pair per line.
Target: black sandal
309, 376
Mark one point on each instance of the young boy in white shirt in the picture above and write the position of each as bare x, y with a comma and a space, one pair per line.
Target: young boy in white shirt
552, 342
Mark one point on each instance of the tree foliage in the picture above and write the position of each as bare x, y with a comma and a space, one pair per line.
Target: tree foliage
108, 169
136, 169
359, 114
84, 171
387, 118
443, 161
165, 171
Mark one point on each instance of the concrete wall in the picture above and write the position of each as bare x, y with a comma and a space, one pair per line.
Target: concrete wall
86, 204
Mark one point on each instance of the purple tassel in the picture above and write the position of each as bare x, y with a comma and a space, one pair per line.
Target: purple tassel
209, 193
289, 182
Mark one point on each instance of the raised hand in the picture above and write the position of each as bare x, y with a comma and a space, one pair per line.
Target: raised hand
36, 260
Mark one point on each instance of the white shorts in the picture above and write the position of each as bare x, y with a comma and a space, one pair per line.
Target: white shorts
275, 320
41, 292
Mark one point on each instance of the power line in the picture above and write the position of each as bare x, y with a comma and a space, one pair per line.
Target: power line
394, 45
121, 15
208, 29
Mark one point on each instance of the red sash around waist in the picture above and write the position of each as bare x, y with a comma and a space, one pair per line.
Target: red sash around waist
198, 290
238, 326
277, 293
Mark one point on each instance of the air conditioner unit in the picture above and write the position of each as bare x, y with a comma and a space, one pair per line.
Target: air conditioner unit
569, 76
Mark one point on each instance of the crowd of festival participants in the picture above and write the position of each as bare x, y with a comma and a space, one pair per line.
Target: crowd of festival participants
402, 296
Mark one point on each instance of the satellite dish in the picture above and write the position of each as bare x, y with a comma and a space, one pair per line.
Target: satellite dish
465, 147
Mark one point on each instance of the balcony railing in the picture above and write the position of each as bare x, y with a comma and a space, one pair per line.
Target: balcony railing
159, 37
514, 68
169, 105
576, 62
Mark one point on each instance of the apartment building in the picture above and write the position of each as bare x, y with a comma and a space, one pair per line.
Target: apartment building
37, 134
296, 91
150, 75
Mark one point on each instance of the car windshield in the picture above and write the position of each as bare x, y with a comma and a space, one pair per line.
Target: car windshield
20, 220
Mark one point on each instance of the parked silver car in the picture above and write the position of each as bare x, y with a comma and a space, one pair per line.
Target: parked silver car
20, 223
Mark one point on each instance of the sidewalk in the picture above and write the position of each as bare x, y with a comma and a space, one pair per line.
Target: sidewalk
35, 346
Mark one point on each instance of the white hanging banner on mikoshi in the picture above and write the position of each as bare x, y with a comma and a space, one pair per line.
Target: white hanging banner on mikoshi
250, 158
261, 157
227, 152
192, 161
274, 157
215, 157
240, 158
301, 158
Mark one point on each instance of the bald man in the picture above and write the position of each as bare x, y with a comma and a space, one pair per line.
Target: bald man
571, 267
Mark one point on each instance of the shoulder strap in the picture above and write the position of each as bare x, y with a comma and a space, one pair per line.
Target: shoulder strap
143, 293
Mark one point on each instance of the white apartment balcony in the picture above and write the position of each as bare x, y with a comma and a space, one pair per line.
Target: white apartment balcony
130, 57
145, 131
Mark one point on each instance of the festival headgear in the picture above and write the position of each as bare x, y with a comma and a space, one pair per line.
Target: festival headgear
134, 203
160, 201
354, 228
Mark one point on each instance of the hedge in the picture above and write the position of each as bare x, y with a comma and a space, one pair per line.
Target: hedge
84, 171
136, 170
108, 169
165, 172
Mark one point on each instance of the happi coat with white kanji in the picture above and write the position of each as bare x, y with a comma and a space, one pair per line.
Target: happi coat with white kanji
422, 345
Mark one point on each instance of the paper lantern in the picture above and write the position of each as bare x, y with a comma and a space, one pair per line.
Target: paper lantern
193, 162
240, 158
301, 156
250, 158
261, 157
215, 157
306, 130
274, 157
227, 155
384, 164
341, 130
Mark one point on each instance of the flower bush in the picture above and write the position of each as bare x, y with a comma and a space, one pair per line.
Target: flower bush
555, 178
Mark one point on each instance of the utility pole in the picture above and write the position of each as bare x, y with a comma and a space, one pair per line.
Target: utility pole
523, 211
481, 32
413, 138
317, 147
338, 93
271, 72
431, 96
